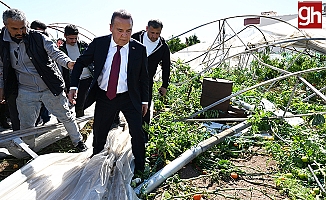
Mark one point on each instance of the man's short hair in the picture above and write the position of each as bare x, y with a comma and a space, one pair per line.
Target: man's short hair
71, 29
14, 14
122, 14
37, 24
155, 23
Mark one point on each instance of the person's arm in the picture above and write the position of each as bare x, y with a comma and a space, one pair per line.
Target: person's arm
2, 96
166, 65
144, 82
64, 50
72, 95
82, 61
144, 109
55, 54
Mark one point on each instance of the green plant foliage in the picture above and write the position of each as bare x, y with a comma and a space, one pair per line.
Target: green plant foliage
293, 147
175, 45
191, 40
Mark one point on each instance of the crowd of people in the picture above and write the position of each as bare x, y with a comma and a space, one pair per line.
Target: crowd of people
116, 71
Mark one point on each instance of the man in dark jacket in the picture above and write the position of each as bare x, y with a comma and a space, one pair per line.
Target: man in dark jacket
158, 52
29, 66
44, 113
74, 48
120, 83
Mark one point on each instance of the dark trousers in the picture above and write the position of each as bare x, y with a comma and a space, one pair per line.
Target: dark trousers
146, 118
3, 112
44, 115
12, 106
81, 96
105, 111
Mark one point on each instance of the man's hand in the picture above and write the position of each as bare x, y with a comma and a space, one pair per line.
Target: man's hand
144, 108
2, 96
71, 64
162, 91
72, 95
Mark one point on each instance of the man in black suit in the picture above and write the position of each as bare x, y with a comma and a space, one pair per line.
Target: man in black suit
131, 95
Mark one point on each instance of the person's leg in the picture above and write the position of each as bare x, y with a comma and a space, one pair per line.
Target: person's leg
146, 119
134, 120
2, 112
105, 111
28, 106
3, 117
59, 107
44, 114
12, 106
38, 120
116, 121
81, 96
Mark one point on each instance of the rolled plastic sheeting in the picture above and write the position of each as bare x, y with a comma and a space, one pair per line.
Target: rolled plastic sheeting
106, 175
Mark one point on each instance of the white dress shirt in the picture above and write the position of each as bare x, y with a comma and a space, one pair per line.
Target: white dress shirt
103, 79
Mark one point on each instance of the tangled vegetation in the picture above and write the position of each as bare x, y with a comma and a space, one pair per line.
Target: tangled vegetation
298, 150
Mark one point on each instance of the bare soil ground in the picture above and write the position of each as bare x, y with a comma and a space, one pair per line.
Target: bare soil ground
254, 183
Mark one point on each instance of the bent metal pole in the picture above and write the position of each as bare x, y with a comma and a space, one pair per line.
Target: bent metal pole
160, 176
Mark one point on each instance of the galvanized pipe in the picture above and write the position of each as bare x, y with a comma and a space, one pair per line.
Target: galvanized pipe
5, 137
160, 176
253, 87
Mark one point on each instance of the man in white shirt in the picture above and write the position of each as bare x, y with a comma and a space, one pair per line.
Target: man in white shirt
74, 48
120, 83
158, 53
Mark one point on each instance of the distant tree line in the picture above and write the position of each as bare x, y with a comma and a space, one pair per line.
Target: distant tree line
175, 44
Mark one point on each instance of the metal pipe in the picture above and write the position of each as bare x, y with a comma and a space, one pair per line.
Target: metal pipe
243, 119
314, 94
218, 119
253, 87
160, 176
291, 97
243, 104
301, 79
37, 130
316, 179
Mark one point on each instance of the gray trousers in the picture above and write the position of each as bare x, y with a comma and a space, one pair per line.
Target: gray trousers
29, 104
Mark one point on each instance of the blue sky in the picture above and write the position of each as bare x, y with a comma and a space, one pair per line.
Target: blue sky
177, 16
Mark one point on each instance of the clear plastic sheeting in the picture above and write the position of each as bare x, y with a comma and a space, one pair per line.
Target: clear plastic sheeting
106, 175
275, 34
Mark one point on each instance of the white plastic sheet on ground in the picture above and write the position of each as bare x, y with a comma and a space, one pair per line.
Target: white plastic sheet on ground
75, 176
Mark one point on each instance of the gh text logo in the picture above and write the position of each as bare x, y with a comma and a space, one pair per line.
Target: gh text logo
310, 14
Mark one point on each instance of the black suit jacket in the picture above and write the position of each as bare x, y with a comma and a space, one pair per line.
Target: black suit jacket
160, 55
137, 74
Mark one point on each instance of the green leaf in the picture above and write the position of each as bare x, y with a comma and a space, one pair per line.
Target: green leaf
318, 120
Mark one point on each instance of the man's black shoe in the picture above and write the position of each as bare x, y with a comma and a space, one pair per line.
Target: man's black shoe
5, 124
81, 146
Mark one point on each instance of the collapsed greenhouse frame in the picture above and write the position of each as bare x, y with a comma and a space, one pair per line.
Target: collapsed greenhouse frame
219, 49
243, 58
